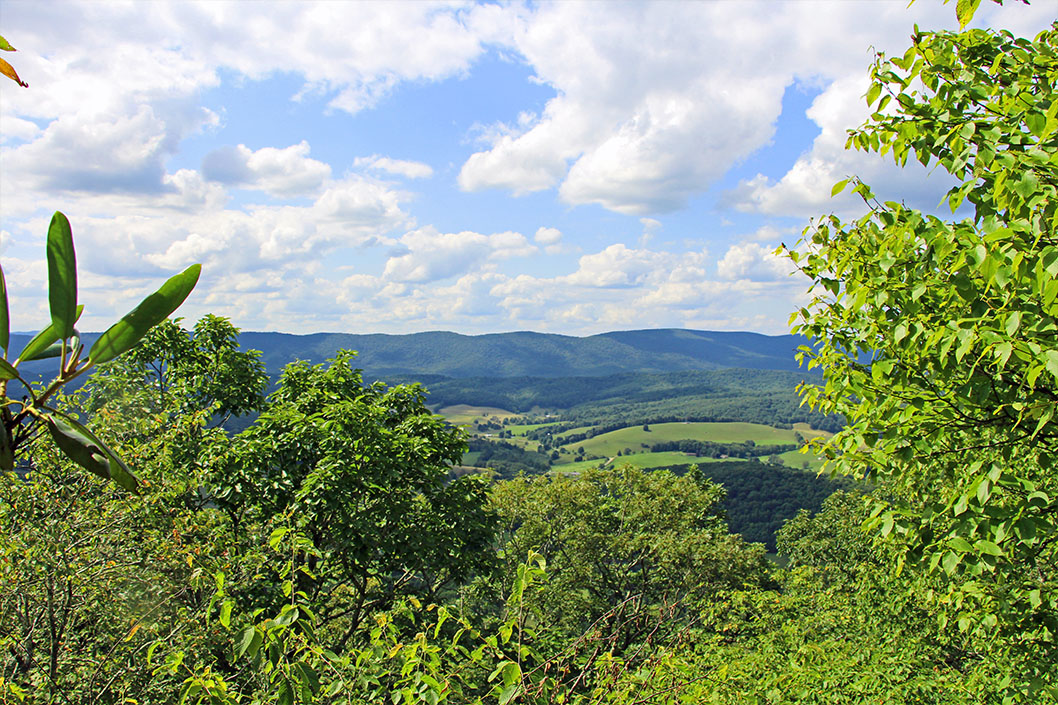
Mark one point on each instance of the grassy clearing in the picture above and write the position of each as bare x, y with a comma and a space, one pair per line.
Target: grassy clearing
809, 432
577, 467
461, 414
797, 459
520, 441
639, 460
607, 444
659, 460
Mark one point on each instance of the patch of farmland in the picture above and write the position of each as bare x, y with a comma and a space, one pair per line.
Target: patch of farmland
462, 414
633, 437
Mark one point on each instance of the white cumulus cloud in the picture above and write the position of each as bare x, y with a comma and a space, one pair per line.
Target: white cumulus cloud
429, 255
755, 262
283, 172
399, 167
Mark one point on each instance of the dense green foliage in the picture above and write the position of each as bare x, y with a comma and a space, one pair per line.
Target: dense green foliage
760, 498
506, 459
323, 550
624, 545
956, 413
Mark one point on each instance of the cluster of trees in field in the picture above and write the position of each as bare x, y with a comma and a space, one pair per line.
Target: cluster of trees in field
323, 553
507, 459
711, 449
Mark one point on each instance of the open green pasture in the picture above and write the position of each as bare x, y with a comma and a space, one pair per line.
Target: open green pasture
640, 460
661, 460
608, 444
797, 459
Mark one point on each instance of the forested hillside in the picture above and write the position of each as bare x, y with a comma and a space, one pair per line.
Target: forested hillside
174, 532
534, 354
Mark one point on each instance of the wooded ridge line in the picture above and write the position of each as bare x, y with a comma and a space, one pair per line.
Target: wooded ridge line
526, 353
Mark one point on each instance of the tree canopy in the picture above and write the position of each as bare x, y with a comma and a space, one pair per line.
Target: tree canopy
954, 413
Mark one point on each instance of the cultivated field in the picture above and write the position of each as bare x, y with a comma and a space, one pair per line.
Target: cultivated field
633, 437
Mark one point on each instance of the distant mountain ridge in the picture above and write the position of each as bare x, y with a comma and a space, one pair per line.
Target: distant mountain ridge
520, 354
526, 354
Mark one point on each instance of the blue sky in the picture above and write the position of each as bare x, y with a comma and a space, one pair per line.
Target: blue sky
477, 167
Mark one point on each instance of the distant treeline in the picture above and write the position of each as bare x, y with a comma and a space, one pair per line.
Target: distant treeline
522, 394
711, 449
778, 409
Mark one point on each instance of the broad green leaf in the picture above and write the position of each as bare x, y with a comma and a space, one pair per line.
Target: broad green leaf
78, 447
5, 46
989, 548
873, 92
84, 448
5, 321
508, 694
308, 677
277, 536
225, 613
248, 641
964, 11
7, 370
53, 350
1037, 123
287, 616
285, 695
153, 310
839, 187
38, 347
62, 276
38, 344
950, 562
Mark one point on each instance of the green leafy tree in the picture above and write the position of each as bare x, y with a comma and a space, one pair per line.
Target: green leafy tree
938, 339
22, 418
362, 471
175, 372
627, 550
96, 580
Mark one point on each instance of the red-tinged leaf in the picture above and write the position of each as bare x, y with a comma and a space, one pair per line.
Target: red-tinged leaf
9, 71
